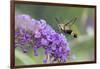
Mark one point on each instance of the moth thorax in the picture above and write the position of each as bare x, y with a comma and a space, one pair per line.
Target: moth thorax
67, 28
63, 27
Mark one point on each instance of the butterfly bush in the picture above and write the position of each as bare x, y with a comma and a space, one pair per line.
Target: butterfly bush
36, 34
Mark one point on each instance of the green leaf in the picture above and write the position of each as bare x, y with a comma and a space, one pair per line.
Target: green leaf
24, 58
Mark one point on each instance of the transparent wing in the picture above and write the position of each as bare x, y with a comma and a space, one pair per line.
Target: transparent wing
58, 28
71, 22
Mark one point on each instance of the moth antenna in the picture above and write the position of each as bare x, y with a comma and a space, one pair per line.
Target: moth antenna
72, 20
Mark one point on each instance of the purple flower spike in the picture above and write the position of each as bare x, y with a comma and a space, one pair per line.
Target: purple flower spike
39, 34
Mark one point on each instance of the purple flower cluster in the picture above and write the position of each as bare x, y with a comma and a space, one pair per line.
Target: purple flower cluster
38, 34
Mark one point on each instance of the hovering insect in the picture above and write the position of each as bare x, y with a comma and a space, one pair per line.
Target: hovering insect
66, 27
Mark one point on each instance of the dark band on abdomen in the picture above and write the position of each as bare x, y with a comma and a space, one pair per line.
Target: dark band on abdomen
68, 31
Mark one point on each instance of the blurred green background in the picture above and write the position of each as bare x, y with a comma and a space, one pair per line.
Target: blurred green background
82, 48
